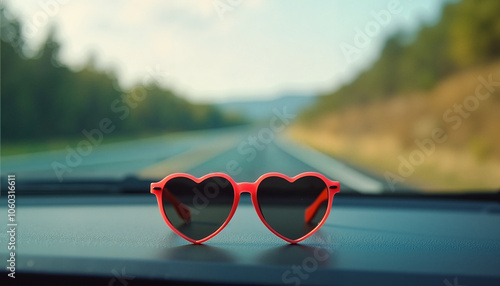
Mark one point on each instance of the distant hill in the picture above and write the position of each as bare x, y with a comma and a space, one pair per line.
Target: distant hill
256, 110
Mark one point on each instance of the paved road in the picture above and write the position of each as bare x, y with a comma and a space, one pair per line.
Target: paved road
244, 153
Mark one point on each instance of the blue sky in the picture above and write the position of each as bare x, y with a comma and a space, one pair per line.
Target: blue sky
217, 50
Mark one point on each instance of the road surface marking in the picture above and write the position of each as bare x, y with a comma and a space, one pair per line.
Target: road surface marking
331, 167
189, 159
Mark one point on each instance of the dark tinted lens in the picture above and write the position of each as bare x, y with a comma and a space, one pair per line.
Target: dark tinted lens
197, 210
283, 204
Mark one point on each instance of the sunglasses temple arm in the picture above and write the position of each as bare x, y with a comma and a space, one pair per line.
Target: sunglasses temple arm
181, 209
314, 207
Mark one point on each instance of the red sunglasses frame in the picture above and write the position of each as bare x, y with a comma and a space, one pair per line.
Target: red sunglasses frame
328, 193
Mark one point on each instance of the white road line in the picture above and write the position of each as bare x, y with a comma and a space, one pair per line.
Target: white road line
331, 167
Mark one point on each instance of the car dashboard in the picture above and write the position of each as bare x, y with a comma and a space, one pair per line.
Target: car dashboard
378, 240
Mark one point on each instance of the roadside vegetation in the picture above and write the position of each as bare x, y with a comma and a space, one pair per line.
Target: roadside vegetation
445, 80
46, 104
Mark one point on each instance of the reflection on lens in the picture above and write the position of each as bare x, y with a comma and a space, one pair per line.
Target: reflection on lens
283, 204
197, 210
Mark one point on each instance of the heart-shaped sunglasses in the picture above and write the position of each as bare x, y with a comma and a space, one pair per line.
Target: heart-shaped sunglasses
197, 209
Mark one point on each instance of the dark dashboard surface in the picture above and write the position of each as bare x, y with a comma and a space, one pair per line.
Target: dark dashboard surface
122, 240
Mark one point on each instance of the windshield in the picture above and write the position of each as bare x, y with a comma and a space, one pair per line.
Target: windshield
382, 96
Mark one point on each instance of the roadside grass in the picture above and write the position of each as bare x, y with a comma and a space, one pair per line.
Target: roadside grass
443, 171
55, 144
52, 144
375, 134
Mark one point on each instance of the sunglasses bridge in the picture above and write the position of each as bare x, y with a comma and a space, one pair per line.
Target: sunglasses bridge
246, 187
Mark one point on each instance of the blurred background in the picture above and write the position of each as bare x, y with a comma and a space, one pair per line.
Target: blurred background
395, 94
